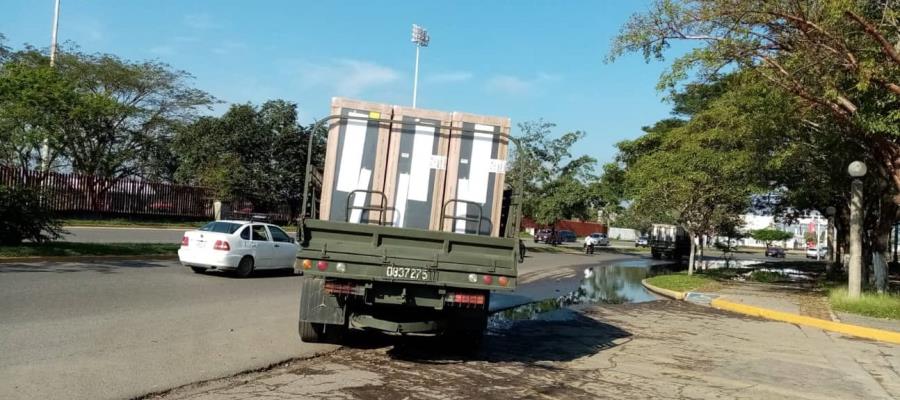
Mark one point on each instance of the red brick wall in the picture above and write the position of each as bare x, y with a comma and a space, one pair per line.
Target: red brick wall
581, 228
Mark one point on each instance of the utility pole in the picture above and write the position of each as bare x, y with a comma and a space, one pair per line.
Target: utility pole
420, 38
45, 148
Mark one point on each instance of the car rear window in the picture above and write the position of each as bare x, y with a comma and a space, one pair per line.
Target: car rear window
221, 227
596, 235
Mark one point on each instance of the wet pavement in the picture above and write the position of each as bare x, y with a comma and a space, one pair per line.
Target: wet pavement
659, 349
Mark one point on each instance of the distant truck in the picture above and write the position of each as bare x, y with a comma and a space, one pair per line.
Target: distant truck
383, 277
669, 241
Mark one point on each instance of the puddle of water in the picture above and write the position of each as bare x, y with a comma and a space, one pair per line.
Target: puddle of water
610, 284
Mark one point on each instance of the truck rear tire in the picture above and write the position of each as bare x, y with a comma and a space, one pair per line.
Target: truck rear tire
311, 333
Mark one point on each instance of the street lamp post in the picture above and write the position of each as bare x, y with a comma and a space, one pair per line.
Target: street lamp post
857, 170
45, 146
420, 38
831, 238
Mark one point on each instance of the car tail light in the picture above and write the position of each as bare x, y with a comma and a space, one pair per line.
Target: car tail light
184, 241
307, 264
503, 281
322, 265
488, 279
222, 245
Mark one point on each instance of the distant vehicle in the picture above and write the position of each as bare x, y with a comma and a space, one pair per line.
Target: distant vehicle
238, 246
546, 236
669, 241
775, 251
642, 241
596, 239
567, 236
812, 252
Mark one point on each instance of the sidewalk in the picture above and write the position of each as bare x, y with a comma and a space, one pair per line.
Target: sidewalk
796, 300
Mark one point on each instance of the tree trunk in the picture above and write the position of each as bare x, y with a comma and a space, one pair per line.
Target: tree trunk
693, 250
702, 245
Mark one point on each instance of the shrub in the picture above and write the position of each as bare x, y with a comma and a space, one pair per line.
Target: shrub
24, 217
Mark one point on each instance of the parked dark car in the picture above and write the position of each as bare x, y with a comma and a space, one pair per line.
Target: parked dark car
542, 235
775, 251
567, 236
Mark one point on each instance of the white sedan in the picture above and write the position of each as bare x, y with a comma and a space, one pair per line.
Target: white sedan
597, 239
239, 246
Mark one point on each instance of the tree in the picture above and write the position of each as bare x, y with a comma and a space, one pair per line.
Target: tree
553, 181
249, 153
770, 235
23, 216
834, 57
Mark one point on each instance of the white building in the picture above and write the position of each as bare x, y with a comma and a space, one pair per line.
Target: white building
814, 223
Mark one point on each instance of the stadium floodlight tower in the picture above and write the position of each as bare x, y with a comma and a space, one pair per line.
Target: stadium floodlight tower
420, 38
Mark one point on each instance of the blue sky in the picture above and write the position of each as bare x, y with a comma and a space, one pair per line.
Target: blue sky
522, 59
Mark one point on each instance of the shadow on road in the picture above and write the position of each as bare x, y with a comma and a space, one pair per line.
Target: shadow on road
564, 335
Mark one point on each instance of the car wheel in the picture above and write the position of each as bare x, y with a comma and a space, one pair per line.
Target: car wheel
245, 267
198, 270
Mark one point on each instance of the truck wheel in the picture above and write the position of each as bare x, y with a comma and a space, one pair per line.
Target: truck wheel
245, 267
198, 270
310, 332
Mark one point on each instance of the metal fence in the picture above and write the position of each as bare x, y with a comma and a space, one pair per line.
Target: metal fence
86, 195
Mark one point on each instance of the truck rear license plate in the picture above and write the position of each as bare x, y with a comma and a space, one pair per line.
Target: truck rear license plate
412, 274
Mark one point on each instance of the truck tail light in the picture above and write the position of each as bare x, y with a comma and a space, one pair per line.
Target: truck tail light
465, 299
503, 281
184, 241
222, 245
322, 265
333, 287
307, 264
488, 279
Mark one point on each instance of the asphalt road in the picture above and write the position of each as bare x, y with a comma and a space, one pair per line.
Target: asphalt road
122, 235
122, 329
127, 328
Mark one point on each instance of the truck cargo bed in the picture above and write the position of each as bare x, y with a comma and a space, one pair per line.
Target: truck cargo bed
390, 254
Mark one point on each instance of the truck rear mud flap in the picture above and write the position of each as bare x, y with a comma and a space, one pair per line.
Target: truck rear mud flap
318, 306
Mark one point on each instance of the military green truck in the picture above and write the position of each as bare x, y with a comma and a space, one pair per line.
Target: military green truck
401, 280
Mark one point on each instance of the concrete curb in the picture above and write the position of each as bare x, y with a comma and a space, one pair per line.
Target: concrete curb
10, 260
663, 292
847, 329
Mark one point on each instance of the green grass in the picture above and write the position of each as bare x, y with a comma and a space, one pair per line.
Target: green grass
56, 249
118, 222
681, 282
868, 304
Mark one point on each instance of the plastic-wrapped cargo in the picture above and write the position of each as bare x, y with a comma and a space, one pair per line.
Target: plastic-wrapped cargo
416, 167
476, 169
355, 162
410, 163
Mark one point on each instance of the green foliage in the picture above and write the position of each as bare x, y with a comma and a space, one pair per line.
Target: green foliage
681, 282
100, 114
253, 153
770, 235
23, 216
553, 181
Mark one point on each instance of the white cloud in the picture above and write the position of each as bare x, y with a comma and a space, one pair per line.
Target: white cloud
162, 50
515, 86
228, 47
508, 84
346, 77
449, 77
200, 21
